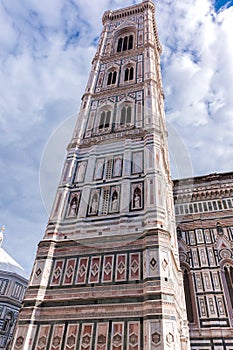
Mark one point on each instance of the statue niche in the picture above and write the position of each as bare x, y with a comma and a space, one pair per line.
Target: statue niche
73, 209
137, 198
115, 201
94, 203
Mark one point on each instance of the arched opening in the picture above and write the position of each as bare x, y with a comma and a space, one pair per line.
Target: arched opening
126, 74
130, 42
114, 77
125, 43
188, 300
228, 272
119, 45
123, 113
128, 117
131, 74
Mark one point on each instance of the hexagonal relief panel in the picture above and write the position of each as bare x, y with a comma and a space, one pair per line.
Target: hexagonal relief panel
155, 338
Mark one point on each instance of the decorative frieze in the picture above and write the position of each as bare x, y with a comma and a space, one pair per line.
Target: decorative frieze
98, 269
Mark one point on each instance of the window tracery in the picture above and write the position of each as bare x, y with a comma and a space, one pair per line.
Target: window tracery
103, 121
125, 43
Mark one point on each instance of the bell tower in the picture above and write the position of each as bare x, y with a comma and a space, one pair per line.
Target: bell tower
107, 274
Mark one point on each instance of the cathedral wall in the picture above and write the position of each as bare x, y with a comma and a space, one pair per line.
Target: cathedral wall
205, 233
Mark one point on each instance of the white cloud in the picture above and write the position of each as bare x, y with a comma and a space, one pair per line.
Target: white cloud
46, 53
197, 73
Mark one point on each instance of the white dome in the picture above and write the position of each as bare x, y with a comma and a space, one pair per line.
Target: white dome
8, 264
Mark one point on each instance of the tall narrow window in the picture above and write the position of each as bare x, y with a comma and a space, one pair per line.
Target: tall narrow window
107, 121
128, 117
119, 46
126, 113
125, 43
102, 120
109, 78
114, 77
130, 42
123, 113
229, 279
188, 300
127, 74
131, 74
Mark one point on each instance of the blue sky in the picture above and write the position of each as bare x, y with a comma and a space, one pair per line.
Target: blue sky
222, 4
46, 52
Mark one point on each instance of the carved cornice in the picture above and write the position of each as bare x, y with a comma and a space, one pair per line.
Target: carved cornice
207, 187
132, 11
111, 92
128, 11
111, 137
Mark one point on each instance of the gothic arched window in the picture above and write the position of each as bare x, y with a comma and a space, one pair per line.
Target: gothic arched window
112, 78
129, 74
130, 46
188, 300
228, 272
125, 43
126, 113
105, 119
119, 45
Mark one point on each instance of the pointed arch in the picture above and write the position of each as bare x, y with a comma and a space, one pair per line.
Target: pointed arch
189, 293
125, 115
74, 203
137, 198
124, 36
188, 298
